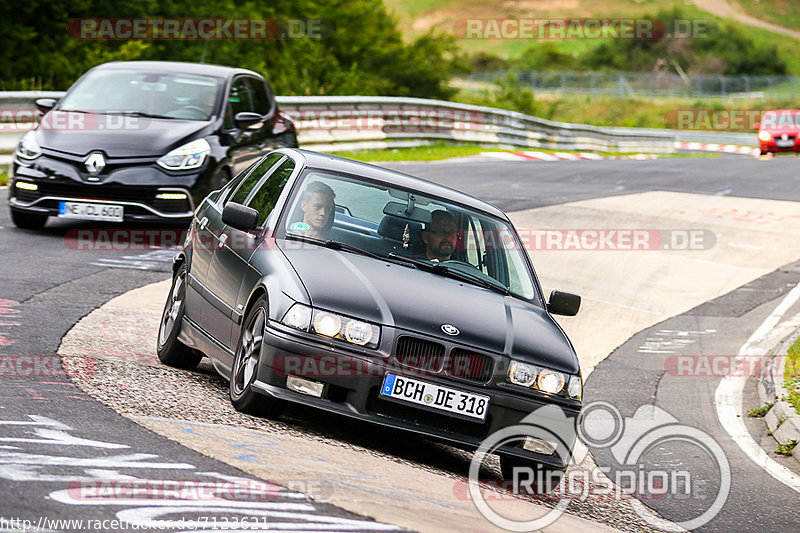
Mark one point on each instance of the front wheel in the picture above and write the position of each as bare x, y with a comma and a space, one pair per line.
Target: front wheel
170, 350
28, 220
245, 366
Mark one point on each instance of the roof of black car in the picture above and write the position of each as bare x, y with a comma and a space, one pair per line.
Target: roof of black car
180, 66
406, 181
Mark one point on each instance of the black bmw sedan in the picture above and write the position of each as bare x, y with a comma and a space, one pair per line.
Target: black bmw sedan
375, 295
143, 141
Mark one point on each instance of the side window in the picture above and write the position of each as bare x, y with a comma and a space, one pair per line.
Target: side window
239, 99
250, 181
264, 199
261, 103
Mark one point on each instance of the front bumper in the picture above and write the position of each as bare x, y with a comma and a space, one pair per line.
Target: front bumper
135, 186
771, 147
356, 395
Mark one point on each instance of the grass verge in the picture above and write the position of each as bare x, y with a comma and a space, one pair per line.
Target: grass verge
3, 178
791, 374
433, 152
441, 151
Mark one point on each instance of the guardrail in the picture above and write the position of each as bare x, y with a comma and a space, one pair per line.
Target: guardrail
336, 123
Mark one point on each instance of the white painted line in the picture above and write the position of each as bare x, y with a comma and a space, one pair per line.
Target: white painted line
587, 155
542, 156
728, 398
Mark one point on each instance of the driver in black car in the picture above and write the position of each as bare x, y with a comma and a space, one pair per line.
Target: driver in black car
440, 236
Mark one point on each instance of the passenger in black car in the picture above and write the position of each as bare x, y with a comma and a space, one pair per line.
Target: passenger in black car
318, 206
440, 236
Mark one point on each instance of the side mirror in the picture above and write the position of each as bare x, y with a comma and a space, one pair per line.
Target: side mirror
564, 303
245, 119
45, 104
757, 125
240, 216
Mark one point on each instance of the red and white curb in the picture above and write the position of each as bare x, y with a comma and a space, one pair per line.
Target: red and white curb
558, 156
712, 147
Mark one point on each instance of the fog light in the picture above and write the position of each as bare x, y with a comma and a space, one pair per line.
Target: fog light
535, 445
171, 196
305, 386
26, 186
764, 136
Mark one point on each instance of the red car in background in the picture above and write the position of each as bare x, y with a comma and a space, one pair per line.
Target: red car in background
779, 131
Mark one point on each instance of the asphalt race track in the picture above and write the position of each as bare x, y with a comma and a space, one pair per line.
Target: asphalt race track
54, 436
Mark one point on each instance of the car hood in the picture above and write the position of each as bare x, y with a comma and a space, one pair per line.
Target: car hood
115, 135
416, 300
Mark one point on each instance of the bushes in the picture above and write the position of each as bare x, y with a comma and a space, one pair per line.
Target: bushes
364, 53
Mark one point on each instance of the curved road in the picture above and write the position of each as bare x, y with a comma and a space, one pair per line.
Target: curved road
49, 285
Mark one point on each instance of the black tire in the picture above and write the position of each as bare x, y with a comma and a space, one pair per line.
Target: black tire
28, 220
547, 478
170, 350
245, 366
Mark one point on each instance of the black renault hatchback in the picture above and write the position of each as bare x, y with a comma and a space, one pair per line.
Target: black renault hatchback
143, 141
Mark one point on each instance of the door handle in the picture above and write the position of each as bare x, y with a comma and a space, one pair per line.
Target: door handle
222, 239
203, 222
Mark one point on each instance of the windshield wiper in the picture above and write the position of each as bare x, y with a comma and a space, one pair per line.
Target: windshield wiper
141, 114
452, 272
334, 245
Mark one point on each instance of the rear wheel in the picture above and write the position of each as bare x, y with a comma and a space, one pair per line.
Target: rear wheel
170, 350
28, 220
245, 366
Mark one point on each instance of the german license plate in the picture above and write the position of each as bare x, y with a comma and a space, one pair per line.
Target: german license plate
108, 212
435, 396
780, 143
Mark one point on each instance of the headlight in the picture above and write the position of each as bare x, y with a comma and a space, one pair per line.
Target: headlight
28, 148
332, 325
575, 388
521, 374
764, 135
550, 382
543, 379
299, 316
190, 155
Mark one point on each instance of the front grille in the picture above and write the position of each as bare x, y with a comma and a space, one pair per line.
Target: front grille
124, 193
466, 364
419, 354
421, 417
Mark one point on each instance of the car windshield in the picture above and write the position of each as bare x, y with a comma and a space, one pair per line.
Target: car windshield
151, 94
420, 231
